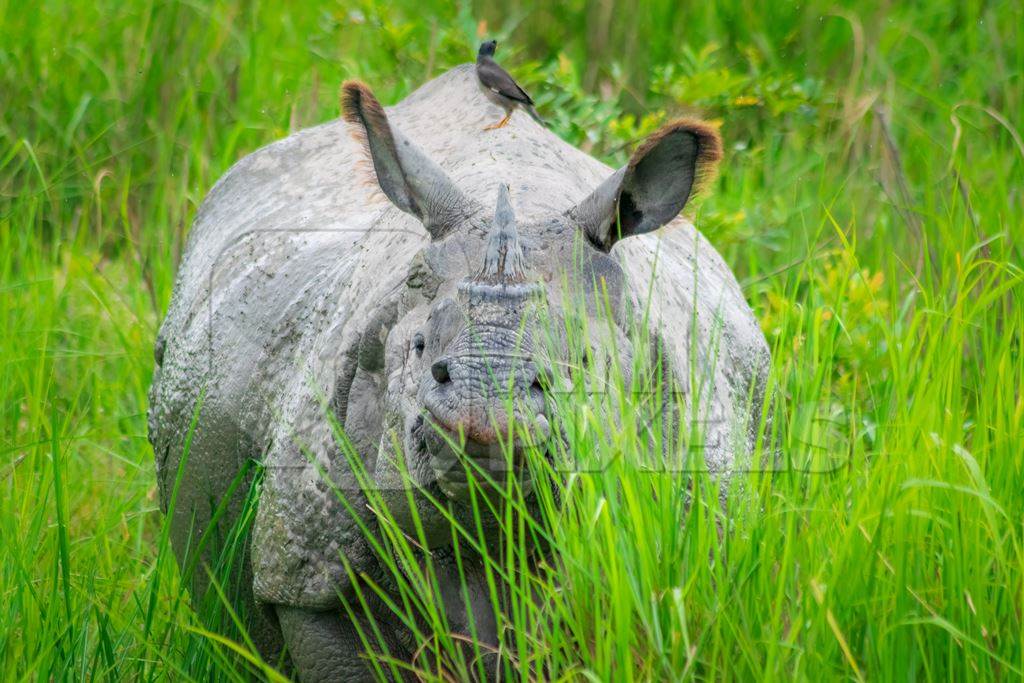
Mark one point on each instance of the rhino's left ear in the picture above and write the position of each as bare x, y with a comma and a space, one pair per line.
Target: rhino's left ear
649, 191
409, 178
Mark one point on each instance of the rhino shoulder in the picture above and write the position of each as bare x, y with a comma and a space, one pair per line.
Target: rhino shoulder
707, 329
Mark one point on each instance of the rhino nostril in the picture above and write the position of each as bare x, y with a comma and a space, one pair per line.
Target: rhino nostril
544, 379
440, 371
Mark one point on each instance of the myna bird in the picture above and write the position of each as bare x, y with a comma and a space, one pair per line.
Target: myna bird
501, 88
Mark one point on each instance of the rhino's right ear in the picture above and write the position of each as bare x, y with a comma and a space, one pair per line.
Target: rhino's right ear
407, 176
645, 194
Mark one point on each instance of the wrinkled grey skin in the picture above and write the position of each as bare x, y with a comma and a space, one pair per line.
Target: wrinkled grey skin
391, 280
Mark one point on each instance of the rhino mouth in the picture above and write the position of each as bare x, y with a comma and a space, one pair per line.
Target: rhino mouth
454, 459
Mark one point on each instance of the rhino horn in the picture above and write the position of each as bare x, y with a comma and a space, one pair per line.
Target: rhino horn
503, 259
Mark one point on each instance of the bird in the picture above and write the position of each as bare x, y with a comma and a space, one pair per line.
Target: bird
500, 87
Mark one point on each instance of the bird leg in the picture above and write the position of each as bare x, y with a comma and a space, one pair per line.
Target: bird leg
500, 124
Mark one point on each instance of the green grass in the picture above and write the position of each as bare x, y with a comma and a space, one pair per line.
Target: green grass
870, 202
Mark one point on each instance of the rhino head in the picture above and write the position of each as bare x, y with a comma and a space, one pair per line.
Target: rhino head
460, 357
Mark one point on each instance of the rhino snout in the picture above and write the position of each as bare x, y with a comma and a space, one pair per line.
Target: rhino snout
470, 397
467, 402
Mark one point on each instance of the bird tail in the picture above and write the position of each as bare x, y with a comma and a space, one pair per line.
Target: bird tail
536, 117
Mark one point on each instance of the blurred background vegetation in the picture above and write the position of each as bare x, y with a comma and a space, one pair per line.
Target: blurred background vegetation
870, 202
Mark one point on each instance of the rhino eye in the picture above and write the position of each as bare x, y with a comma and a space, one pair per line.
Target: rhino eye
418, 344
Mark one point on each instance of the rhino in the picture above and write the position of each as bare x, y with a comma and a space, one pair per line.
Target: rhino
379, 268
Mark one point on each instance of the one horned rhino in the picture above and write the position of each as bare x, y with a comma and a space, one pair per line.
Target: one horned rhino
361, 267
